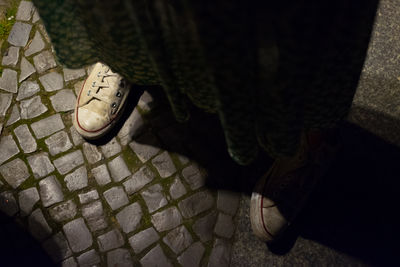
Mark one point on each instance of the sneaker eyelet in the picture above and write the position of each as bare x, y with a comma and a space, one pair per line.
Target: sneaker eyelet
114, 105
118, 94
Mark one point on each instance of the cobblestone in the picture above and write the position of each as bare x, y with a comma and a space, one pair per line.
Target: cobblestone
27, 199
131, 128
228, 202
76, 137
183, 159
38, 225
77, 179
72, 74
177, 189
78, 235
8, 81
19, 34
110, 240
36, 45
119, 258
5, 102
27, 69
90, 258
94, 215
32, 107
139, 179
47, 126
27, 89
14, 172
178, 239
57, 247
196, 204
224, 226
145, 147
193, 177
166, 219
192, 256
63, 100
164, 165
155, 257
8, 204
111, 148
154, 198
40, 164
87, 197
8, 148
69, 161
129, 217
143, 239
14, 116
91, 152
52, 81
25, 11
146, 101
204, 226
35, 16
10, 57
118, 169
220, 255
64, 211
58, 143
116, 197
44, 61
25, 139
101, 175
70, 262
50, 191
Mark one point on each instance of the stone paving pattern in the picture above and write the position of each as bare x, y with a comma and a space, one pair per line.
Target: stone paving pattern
125, 203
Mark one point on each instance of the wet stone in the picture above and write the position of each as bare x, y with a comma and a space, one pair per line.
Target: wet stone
19, 34
72, 74
14, 172
178, 239
196, 204
110, 240
32, 107
77, 179
166, 219
44, 61
25, 139
38, 225
10, 57
70, 262
154, 198
8, 204
63, 100
101, 175
143, 239
145, 147
94, 215
36, 45
118, 169
164, 165
76, 137
69, 161
111, 148
78, 235
8, 148
220, 254
25, 11
225, 226
204, 227
155, 257
129, 217
119, 257
52, 81
193, 177
58, 143
27, 69
228, 202
64, 211
50, 191
57, 247
192, 256
90, 258
91, 152
41, 165
27, 89
5, 102
8, 81
87, 197
15, 116
27, 199
139, 179
116, 197
131, 128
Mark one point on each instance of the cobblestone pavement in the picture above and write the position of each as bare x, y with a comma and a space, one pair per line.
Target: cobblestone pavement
119, 204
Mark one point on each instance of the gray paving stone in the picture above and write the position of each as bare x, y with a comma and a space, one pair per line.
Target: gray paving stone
129, 217
177, 189
15, 115
154, 197
110, 240
50, 191
27, 199
52, 81
164, 165
72, 74
91, 152
10, 57
193, 176
77, 87
64, 211
77, 179
32, 107
145, 147
25, 11
27, 89
47, 126
204, 227
69, 161
76, 137
40, 164
146, 102
8, 204
220, 254
166, 219
111, 148
5, 102
89, 258
44, 61
101, 175
63, 100
87, 197
143, 239
38, 225
183, 159
70, 262
120, 258
118, 169
228, 202
14, 172
116, 197
35, 16
27, 69
8, 81
57, 247
178, 239
131, 128
44, 32
94, 215
196, 204
192, 256
139, 179
78, 235
155, 257
224, 226
58, 143
8, 148
19, 34
36, 45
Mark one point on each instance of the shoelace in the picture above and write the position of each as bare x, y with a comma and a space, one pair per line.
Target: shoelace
101, 84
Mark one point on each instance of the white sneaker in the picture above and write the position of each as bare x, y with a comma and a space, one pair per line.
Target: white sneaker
100, 102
